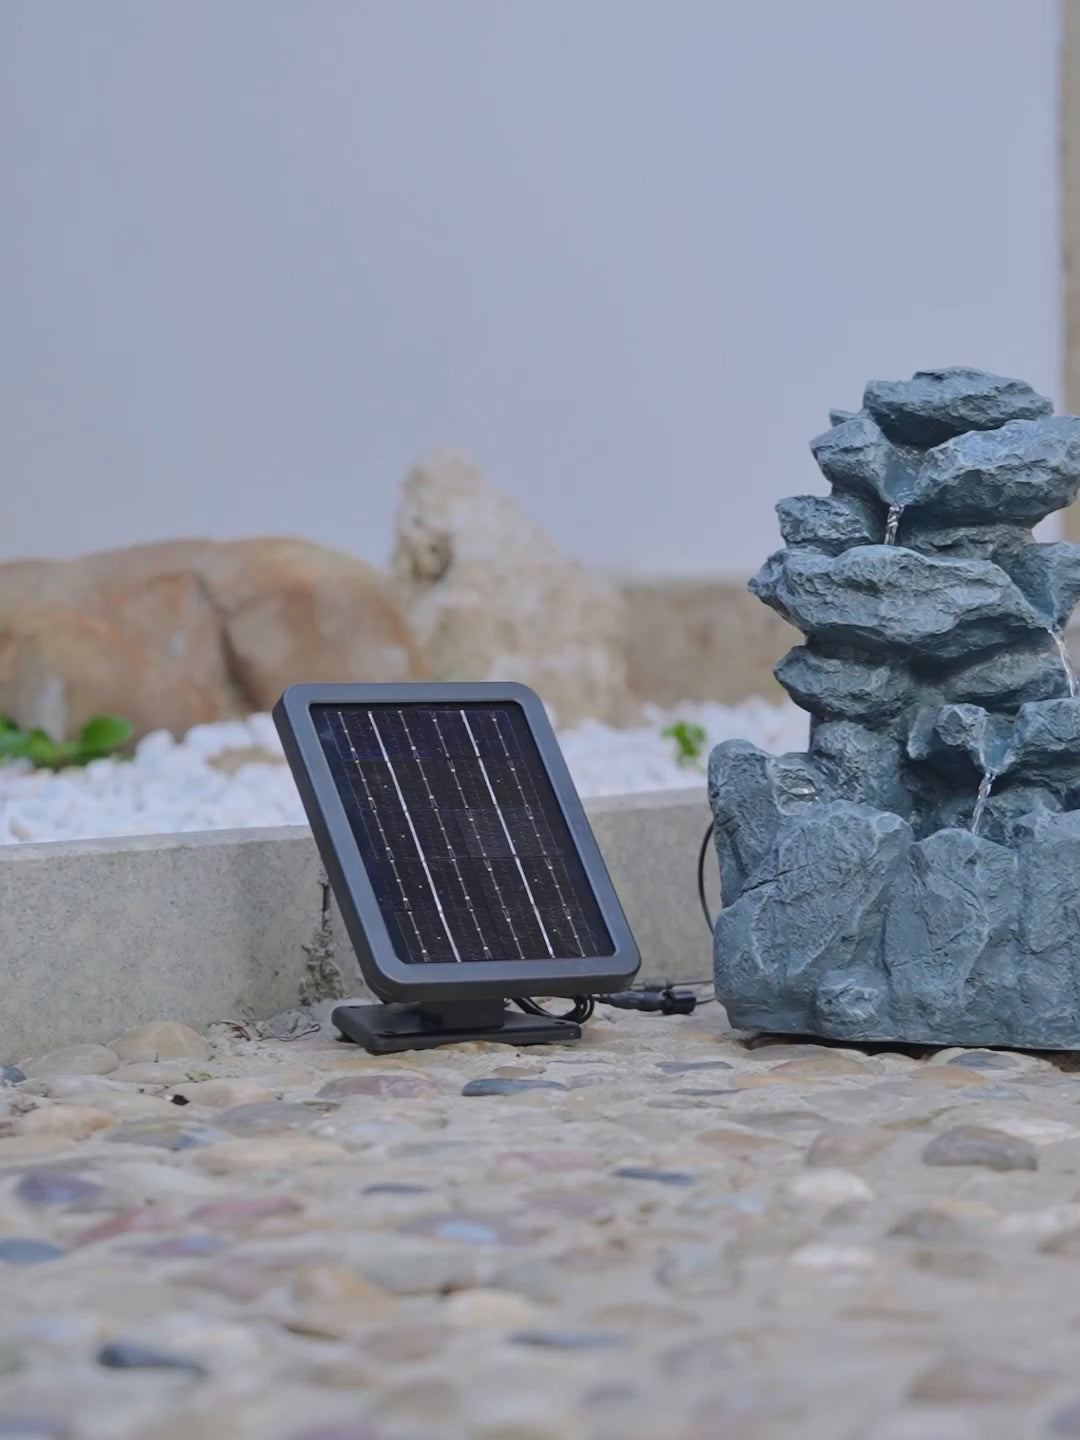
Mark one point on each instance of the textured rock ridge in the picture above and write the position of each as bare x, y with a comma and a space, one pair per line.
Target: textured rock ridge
916, 875
490, 596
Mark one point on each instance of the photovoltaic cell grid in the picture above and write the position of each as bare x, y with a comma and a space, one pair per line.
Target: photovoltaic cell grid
461, 833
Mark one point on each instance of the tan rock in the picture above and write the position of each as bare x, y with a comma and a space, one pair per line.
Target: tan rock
73, 1060
190, 631
223, 1093
296, 610
820, 1186
161, 1040
74, 1122
230, 1157
483, 1309
173, 1072
491, 597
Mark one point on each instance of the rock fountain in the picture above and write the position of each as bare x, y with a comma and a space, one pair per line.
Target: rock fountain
916, 875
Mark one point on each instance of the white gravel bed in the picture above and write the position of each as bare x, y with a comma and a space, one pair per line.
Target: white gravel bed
173, 785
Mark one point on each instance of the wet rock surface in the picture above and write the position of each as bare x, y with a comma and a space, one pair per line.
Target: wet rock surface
913, 876
674, 1231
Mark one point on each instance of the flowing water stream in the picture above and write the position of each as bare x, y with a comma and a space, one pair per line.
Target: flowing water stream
986, 784
1066, 658
892, 522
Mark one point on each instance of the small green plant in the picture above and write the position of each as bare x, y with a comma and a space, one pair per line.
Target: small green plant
99, 737
689, 741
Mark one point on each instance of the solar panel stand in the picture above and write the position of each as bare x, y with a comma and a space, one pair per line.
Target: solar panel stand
385, 1029
460, 856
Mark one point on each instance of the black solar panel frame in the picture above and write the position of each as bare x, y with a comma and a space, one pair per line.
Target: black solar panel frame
390, 977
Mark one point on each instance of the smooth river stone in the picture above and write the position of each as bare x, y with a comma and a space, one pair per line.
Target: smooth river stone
229, 1157
696, 1270
468, 1229
18, 1424
933, 1227
841, 1146
983, 1060
20, 1250
270, 1117
130, 1355
660, 1177
168, 1072
240, 1211
73, 1060
224, 1094
495, 1085
978, 1145
163, 1135
483, 1309
569, 1339
1065, 1420
73, 1122
55, 1187
828, 1187
386, 1086
161, 1040
961, 1378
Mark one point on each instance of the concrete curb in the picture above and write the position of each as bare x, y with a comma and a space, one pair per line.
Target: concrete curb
100, 935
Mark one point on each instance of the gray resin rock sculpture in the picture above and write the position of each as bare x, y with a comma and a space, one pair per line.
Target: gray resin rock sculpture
916, 875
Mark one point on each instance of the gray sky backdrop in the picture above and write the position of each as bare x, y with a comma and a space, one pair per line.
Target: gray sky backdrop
256, 255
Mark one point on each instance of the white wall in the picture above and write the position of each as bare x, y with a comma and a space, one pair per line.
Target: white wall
255, 255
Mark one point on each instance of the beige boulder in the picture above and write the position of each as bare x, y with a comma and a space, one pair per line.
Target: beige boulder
189, 631
490, 596
160, 1040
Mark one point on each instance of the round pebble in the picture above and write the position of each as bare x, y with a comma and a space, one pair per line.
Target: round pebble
15, 1250
979, 1145
613, 1259
482, 1309
223, 1094
161, 1040
73, 1122
55, 1187
73, 1060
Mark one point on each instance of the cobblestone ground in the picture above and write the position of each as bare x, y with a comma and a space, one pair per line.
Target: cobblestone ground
661, 1233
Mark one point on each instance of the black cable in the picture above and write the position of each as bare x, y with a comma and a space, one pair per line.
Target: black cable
709, 921
665, 997
659, 1000
580, 1011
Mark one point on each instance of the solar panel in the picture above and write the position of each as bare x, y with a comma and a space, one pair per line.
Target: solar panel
461, 833
459, 854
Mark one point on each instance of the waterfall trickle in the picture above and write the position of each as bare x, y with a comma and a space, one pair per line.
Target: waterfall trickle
892, 522
986, 784
1066, 659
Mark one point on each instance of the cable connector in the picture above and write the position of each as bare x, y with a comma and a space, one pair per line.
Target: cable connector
658, 1000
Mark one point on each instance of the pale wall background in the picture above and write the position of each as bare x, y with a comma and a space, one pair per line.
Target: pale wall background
255, 255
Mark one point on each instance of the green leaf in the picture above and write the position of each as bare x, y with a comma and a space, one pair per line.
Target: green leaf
689, 738
103, 734
7, 723
12, 744
47, 753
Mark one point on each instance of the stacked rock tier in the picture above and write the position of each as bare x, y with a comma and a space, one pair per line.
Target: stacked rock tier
916, 875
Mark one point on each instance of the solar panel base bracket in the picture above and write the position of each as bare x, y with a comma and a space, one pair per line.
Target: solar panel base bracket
385, 1029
